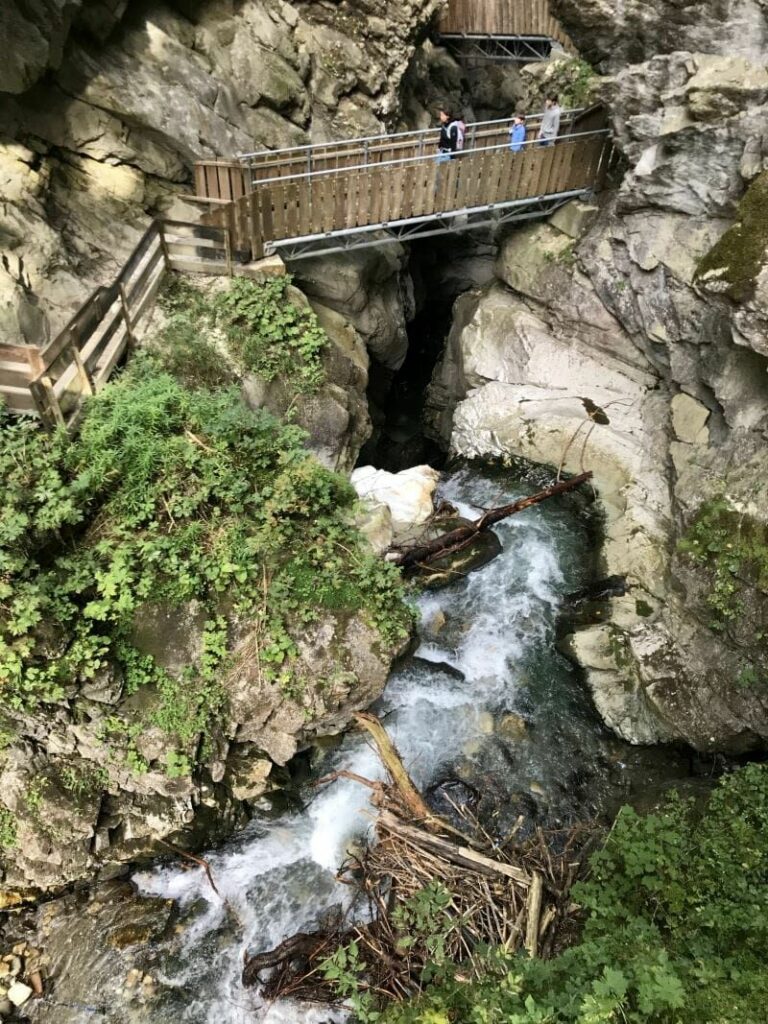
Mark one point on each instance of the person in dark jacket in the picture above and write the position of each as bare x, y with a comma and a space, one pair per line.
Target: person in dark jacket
448, 142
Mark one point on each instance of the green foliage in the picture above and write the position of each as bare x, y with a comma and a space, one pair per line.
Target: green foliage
7, 829
676, 929
169, 496
734, 547
578, 91
271, 335
254, 326
83, 780
345, 969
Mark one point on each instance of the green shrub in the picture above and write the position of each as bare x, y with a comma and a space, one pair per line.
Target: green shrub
270, 334
252, 327
169, 495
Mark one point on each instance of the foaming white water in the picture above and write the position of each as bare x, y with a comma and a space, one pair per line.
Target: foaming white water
279, 877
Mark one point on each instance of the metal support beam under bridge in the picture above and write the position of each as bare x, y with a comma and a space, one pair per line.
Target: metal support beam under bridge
485, 49
413, 229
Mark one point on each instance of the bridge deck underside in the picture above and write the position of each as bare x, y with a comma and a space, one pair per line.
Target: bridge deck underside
503, 18
316, 211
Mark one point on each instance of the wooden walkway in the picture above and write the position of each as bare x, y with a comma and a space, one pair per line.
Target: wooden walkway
52, 381
316, 208
301, 215
505, 18
230, 179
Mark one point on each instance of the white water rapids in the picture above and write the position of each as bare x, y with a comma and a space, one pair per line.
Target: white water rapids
493, 654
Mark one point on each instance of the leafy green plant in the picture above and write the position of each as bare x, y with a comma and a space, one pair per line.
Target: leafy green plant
270, 334
83, 780
7, 829
170, 496
729, 544
675, 930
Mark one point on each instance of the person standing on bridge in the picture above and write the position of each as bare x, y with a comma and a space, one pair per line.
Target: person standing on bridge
550, 122
517, 133
451, 136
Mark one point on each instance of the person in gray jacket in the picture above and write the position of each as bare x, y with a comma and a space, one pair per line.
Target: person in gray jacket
550, 122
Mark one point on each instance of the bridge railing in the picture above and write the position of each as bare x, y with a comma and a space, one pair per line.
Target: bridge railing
323, 203
503, 18
53, 381
230, 179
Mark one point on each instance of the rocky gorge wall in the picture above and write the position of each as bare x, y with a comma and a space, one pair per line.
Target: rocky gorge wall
104, 109
106, 105
629, 337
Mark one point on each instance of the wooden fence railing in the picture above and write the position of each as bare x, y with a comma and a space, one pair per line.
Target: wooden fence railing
503, 18
368, 196
54, 381
228, 180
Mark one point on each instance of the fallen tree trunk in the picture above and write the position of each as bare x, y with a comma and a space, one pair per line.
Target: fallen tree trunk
457, 539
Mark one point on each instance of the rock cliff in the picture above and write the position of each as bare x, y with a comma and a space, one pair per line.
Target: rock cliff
107, 105
629, 338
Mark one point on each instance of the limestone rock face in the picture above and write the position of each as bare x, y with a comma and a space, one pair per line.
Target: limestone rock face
336, 416
368, 287
140, 91
408, 495
601, 347
620, 32
88, 793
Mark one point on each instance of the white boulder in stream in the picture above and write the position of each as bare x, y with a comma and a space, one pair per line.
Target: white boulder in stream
408, 495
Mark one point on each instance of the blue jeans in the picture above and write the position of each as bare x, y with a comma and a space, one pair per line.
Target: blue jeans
443, 156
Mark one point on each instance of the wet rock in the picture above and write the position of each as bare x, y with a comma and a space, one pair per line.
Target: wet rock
449, 796
443, 667
443, 571
435, 624
512, 727
408, 495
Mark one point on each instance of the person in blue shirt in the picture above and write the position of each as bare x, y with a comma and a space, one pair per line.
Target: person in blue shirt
517, 133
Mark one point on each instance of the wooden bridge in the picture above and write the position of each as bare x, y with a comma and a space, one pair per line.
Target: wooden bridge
393, 189
366, 192
502, 30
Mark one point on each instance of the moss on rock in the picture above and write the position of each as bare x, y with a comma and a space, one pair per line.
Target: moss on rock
733, 265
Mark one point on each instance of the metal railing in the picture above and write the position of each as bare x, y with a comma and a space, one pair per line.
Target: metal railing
400, 161
367, 143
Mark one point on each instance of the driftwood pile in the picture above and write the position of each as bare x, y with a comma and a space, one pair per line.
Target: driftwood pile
502, 892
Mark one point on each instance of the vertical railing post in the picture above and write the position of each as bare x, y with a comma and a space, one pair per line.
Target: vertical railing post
86, 383
228, 250
164, 245
126, 314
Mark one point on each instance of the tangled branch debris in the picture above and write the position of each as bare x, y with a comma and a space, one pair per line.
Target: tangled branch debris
496, 892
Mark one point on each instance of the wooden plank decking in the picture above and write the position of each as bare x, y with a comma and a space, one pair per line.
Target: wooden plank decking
369, 196
52, 381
